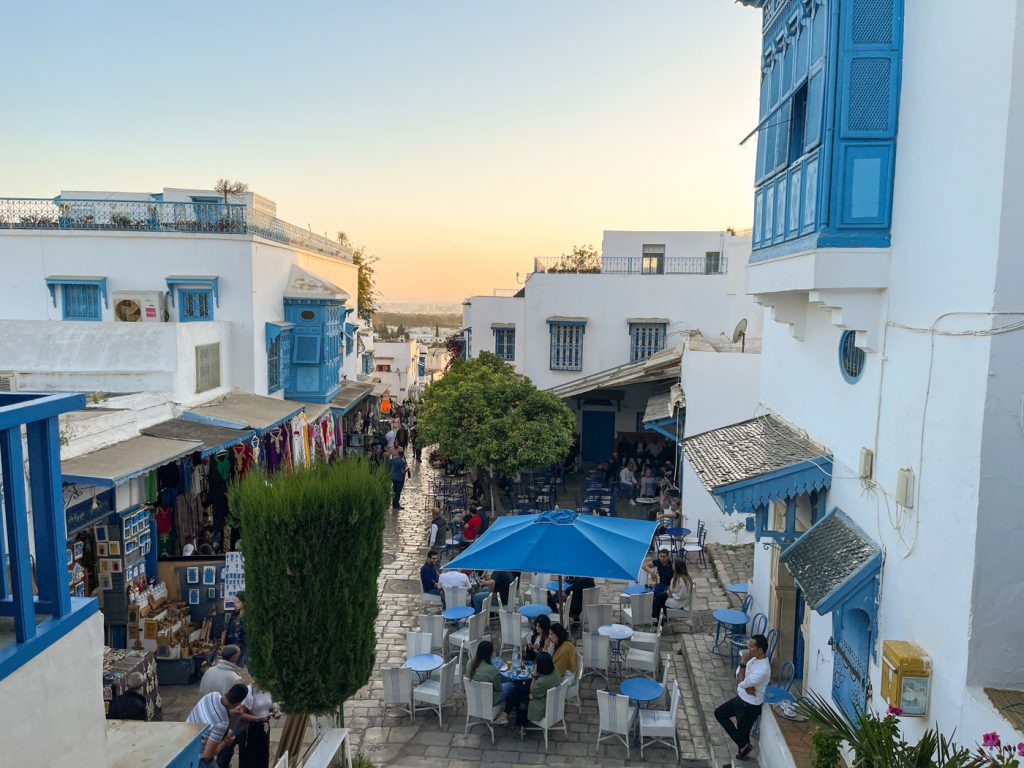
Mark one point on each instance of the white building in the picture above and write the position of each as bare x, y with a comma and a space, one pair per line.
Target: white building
174, 292
588, 331
398, 367
883, 465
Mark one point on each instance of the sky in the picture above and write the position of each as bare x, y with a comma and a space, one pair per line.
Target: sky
455, 139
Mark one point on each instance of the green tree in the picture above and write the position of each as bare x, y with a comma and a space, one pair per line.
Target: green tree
584, 259
367, 295
313, 543
482, 414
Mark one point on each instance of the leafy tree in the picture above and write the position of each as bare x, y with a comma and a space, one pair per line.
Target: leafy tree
313, 542
453, 345
400, 332
584, 259
482, 414
367, 295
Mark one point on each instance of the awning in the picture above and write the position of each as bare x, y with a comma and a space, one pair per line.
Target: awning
119, 463
212, 438
661, 412
351, 394
503, 326
660, 366
315, 411
647, 321
241, 410
564, 320
274, 329
210, 281
750, 464
379, 388
832, 561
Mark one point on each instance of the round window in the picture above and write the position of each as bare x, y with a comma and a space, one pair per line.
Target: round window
851, 357
307, 314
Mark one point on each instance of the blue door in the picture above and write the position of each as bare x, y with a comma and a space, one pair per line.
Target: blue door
850, 662
596, 442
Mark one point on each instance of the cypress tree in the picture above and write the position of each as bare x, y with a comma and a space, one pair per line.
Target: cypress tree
313, 540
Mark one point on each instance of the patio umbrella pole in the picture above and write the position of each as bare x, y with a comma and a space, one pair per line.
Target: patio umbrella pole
561, 602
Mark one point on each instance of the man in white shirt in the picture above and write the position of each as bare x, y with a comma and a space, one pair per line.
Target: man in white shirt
215, 710
454, 579
627, 481
752, 676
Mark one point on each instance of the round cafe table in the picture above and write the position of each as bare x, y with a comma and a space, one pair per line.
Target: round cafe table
533, 610
740, 588
642, 690
457, 613
523, 675
423, 663
731, 618
616, 633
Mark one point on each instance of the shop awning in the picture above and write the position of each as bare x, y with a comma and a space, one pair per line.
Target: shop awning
380, 387
661, 414
661, 366
315, 411
119, 463
351, 394
241, 410
750, 464
212, 437
274, 329
832, 561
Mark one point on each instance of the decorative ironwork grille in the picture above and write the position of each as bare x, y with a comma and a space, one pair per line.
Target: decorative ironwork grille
851, 357
80, 302
645, 339
195, 304
207, 367
566, 347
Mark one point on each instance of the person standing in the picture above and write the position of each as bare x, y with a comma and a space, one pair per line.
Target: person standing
130, 705
254, 745
216, 710
234, 630
399, 471
224, 674
752, 676
414, 438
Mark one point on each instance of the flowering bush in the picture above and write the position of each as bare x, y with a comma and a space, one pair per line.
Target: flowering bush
992, 753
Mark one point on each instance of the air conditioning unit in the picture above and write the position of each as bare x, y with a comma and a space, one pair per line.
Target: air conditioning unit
8, 382
139, 306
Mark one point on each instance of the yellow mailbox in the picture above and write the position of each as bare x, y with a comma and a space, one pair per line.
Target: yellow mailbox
906, 676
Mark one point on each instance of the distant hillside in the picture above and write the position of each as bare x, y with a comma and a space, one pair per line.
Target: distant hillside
412, 320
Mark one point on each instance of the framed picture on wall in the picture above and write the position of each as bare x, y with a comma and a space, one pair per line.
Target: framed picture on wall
79, 550
211, 593
114, 547
221, 591
209, 574
106, 583
105, 565
193, 597
101, 532
192, 574
71, 557
127, 528
116, 566
101, 549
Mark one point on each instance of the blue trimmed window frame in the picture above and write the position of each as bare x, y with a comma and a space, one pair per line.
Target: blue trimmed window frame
80, 297
645, 339
505, 343
195, 305
852, 358
566, 351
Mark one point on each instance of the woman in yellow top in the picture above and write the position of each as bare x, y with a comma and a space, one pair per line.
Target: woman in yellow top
564, 654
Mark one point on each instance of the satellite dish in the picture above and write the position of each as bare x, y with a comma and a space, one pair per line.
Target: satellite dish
740, 334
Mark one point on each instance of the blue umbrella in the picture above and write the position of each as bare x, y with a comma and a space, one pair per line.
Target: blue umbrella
561, 542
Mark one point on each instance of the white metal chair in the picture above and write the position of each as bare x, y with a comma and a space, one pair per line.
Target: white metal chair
513, 632
479, 706
434, 624
646, 640
657, 725
666, 664
554, 711
643, 660
470, 635
514, 598
429, 599
398, 689
574, 681
596, 655
616, 717
417, 643
597, 615
685, 613
638, 612
437, 694
454, 596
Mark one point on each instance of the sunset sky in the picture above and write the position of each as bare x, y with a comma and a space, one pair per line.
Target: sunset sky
456, 139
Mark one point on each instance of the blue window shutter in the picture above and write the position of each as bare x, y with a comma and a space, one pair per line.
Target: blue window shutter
815, 105
80, 302
306, 349
195, 304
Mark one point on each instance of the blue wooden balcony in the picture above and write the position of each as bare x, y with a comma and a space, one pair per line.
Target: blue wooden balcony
152, 216
31, 620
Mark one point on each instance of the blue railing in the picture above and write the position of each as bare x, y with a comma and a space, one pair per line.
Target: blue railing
148, 216
39, 620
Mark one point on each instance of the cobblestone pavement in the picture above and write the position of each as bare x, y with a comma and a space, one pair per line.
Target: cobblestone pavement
390, 738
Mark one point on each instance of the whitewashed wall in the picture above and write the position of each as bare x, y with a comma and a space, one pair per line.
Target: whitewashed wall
52, 707
480, 312
403, 357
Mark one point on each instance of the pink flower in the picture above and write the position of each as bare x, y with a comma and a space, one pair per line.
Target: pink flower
1020, 749
895, 711
990, 739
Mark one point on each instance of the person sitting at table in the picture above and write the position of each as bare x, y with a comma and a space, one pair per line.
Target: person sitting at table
661, 569
648, 484
564, 655
473, 528
678, 590
546, 677
453, 579
498, 582
429, 576
538, 639
483, 670
574, 594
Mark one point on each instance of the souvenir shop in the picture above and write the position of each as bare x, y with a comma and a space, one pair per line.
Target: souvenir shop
355, 406
163, 496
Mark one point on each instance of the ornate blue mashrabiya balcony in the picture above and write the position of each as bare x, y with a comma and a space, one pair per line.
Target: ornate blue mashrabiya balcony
155, 216
31, 620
